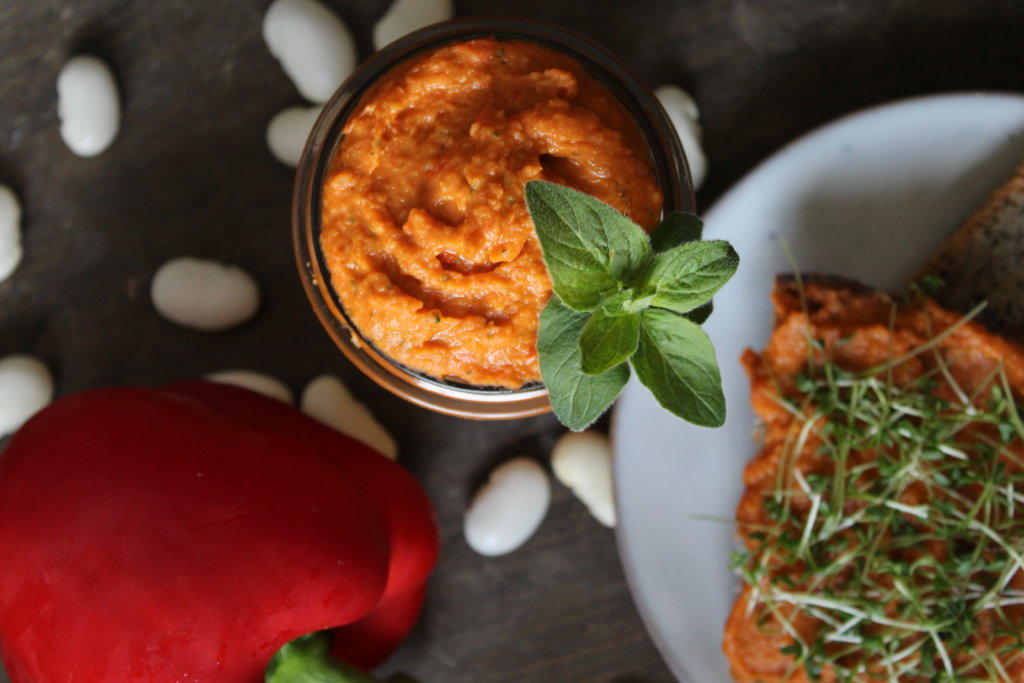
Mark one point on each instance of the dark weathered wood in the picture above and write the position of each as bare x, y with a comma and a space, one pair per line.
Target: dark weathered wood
190, 174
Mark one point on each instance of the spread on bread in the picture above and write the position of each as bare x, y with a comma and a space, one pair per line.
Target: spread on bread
883, 519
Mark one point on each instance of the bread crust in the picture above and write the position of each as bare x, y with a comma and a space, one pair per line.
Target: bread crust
983, 260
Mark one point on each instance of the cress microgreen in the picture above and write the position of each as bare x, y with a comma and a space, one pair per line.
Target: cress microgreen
624, 299
899, 530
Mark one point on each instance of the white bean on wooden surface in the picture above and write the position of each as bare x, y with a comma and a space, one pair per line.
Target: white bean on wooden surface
287, 133
88, 105
26, 387
260, 382
314, 47
10, 232
327, 399
406, 16
685, 116
508, 508
583, 462
204, 294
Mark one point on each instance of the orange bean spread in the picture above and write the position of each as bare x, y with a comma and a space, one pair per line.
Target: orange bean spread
860, 330
425, 230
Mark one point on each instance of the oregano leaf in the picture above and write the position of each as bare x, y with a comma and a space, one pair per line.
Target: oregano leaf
700, 314
675, 229
676, 361
589, 247
608, 340
687, 276
621, 303
577, 398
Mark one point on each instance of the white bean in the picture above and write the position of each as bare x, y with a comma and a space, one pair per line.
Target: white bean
26, 387
314, 47
10, 232
328, 400
583, 462
405, 16
685, 116
206, 295
259, 382
287, 133
507, 510
88, 105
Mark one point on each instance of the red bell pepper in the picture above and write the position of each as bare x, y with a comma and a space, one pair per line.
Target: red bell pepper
187, 533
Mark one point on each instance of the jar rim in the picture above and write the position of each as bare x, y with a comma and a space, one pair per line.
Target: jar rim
448, 397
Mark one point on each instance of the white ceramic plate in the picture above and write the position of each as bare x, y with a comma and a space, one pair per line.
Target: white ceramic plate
869, 196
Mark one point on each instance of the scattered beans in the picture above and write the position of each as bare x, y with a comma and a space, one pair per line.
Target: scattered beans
507, 510
287, 133
330, 401
583, 462
26, 387
259, 382
205, 295
88, 105
10, 232
314, 47
685, 116
405, 16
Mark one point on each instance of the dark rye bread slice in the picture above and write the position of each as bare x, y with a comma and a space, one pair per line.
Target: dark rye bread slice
984, 261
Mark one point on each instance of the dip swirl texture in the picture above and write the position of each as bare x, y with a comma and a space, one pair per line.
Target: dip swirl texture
425, 229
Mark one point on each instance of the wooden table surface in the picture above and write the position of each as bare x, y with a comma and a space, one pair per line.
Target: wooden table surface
190, 174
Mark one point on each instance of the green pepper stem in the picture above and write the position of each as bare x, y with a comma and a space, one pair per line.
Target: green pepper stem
307, 659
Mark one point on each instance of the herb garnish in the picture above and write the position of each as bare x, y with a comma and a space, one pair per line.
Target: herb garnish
907, 545
622, 299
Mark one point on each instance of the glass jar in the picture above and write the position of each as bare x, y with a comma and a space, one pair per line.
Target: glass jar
449, 397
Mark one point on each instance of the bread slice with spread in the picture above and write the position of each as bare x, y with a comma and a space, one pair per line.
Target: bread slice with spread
880, 526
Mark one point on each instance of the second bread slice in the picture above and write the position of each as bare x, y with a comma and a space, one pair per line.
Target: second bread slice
984, 261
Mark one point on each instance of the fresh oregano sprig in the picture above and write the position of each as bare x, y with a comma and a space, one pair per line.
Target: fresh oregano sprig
623, 299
